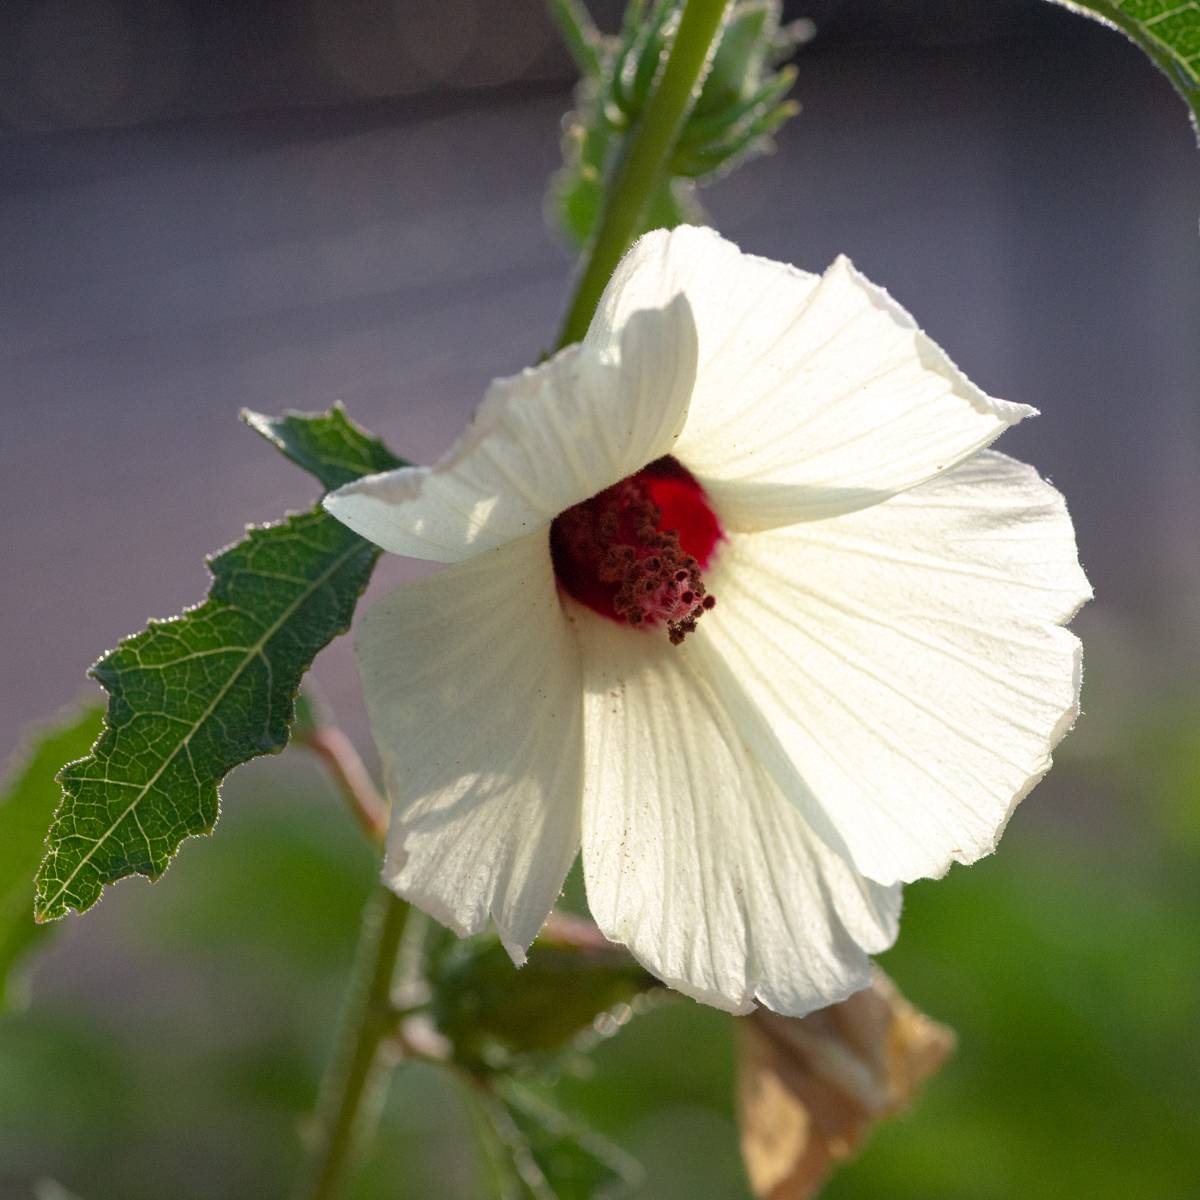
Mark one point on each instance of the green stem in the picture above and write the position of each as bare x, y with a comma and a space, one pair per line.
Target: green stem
365, 1024
643, 167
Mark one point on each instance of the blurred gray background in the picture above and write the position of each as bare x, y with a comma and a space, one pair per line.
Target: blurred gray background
204, 207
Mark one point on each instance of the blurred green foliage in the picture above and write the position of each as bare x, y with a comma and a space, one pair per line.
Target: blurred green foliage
538, 1153
177, 1044
28, 797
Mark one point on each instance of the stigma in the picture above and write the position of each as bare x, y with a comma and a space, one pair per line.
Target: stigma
635, 552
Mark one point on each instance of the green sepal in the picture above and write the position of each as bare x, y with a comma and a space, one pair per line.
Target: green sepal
703, 131
740, 144
540, 1153
746, 43
740, 105
494, 1015
27, 803
193, 697
650, 53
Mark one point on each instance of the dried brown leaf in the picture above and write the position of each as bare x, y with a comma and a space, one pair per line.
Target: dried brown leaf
809, 1090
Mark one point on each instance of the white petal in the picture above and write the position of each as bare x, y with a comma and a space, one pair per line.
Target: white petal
909, 659
473, 689
692, 857
814, 395
541, 441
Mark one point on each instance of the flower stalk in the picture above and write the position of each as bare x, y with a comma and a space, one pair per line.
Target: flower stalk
343, 1105
646, 157
350, 773
369, 1016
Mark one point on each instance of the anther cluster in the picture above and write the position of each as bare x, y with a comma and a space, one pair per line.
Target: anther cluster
613, 553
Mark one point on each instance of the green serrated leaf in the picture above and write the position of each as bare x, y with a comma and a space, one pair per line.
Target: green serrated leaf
193, 697
493, 1014
27, 803
1167, 30
552, 1156
328, 445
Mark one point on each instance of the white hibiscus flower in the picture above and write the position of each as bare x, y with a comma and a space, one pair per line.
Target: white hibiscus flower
739, 606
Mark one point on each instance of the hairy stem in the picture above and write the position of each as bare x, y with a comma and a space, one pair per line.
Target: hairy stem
349, 772
342, 1106
643, 166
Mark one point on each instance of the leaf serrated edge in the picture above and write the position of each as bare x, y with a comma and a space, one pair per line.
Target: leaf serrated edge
54, 907
336, 417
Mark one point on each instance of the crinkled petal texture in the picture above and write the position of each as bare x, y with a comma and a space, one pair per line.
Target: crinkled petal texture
814, 395
541, 441
474, 689
909, 659
882, 679
692, 856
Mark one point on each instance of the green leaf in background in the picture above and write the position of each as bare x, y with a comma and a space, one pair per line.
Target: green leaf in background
492, 1014
27, 804
193, 697
542, 1154
1167, 30
328, 445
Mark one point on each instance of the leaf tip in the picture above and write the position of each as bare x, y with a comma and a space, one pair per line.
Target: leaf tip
46, 909
255, 420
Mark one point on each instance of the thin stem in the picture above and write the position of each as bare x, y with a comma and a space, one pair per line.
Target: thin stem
579, 34
351, 775
365, 1025
643, 167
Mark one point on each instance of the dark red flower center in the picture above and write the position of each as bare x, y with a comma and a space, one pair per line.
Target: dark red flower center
634, 553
